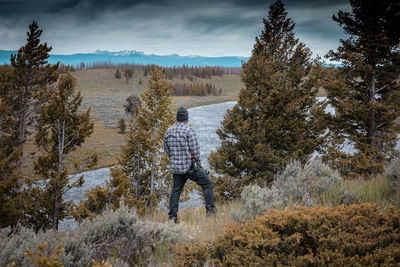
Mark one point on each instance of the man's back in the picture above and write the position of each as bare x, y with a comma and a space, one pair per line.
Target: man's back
180, 143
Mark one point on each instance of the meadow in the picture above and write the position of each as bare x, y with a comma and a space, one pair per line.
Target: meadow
106, 97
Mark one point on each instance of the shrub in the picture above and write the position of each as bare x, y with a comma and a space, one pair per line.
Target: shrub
41, 259
296, 185
392, 172
305, 185
195, 254
116, 237
355, 235
347, 197
256, 200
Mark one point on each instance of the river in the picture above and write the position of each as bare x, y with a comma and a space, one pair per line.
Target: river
204, 119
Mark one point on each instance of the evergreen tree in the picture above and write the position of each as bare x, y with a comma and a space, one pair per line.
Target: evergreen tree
365, 90
117, 74
31, 76
275, 118
22, 85
142, 157
116, 190
10, 201
132, 106
61, 129
128, 74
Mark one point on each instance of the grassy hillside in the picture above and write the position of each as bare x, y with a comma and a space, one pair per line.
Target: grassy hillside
106, 96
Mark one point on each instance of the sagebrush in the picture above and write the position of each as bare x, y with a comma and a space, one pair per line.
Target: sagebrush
296, 185
355, 235
115, 237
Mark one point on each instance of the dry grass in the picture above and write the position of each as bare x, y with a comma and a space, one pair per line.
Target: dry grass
106, 96
194, 220
104, 141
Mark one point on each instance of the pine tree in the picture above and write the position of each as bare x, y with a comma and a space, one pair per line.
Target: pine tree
32, 74
275, 118
117, 74
9, 155
116, 191
61, 129
142, 157
128, 74
21, 86
132, 106
365, 90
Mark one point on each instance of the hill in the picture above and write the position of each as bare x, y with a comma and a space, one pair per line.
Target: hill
135, 57
106, 96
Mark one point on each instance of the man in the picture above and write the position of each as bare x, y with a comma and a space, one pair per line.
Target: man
181, 145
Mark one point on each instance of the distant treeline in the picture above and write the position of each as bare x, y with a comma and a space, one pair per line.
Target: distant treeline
195, 89
183, 71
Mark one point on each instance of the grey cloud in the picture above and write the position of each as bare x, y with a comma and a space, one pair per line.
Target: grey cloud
204, 27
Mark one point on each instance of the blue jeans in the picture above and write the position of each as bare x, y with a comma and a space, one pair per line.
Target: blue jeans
201, 179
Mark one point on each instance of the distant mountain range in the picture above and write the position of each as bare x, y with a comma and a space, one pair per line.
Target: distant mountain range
136, 57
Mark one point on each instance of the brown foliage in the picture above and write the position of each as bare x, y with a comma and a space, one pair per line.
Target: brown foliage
42, 260
195, 89
356, 235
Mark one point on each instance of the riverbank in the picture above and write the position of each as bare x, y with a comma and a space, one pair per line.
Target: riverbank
106, 141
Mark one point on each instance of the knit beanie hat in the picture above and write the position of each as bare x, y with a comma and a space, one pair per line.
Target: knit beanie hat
182, 114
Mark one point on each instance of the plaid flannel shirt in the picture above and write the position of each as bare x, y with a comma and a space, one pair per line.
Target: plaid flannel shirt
180, 142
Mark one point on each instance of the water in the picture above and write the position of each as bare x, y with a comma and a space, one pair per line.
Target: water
205, 120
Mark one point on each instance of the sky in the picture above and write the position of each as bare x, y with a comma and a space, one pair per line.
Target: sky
162, 27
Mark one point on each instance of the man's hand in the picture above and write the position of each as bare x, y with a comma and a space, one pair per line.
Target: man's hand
202, 166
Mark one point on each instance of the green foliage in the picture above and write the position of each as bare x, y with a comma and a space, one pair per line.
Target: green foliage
195, 89
365, 91
109, 197
276, 117
29, 80
142, 158
296, 185
392, 172
22, 85
356, 235
61, 129
115, 237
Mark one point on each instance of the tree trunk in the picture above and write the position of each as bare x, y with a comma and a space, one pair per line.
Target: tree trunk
57, 190
372, 131
138, 174
152, 172
56, 209
20, 145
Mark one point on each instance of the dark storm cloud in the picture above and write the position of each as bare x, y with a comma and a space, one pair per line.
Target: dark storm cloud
291, 3
207, 27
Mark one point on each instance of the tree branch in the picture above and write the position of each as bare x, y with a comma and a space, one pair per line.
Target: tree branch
385, 86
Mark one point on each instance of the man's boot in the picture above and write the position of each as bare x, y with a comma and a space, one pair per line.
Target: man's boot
211, 213
174, 219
